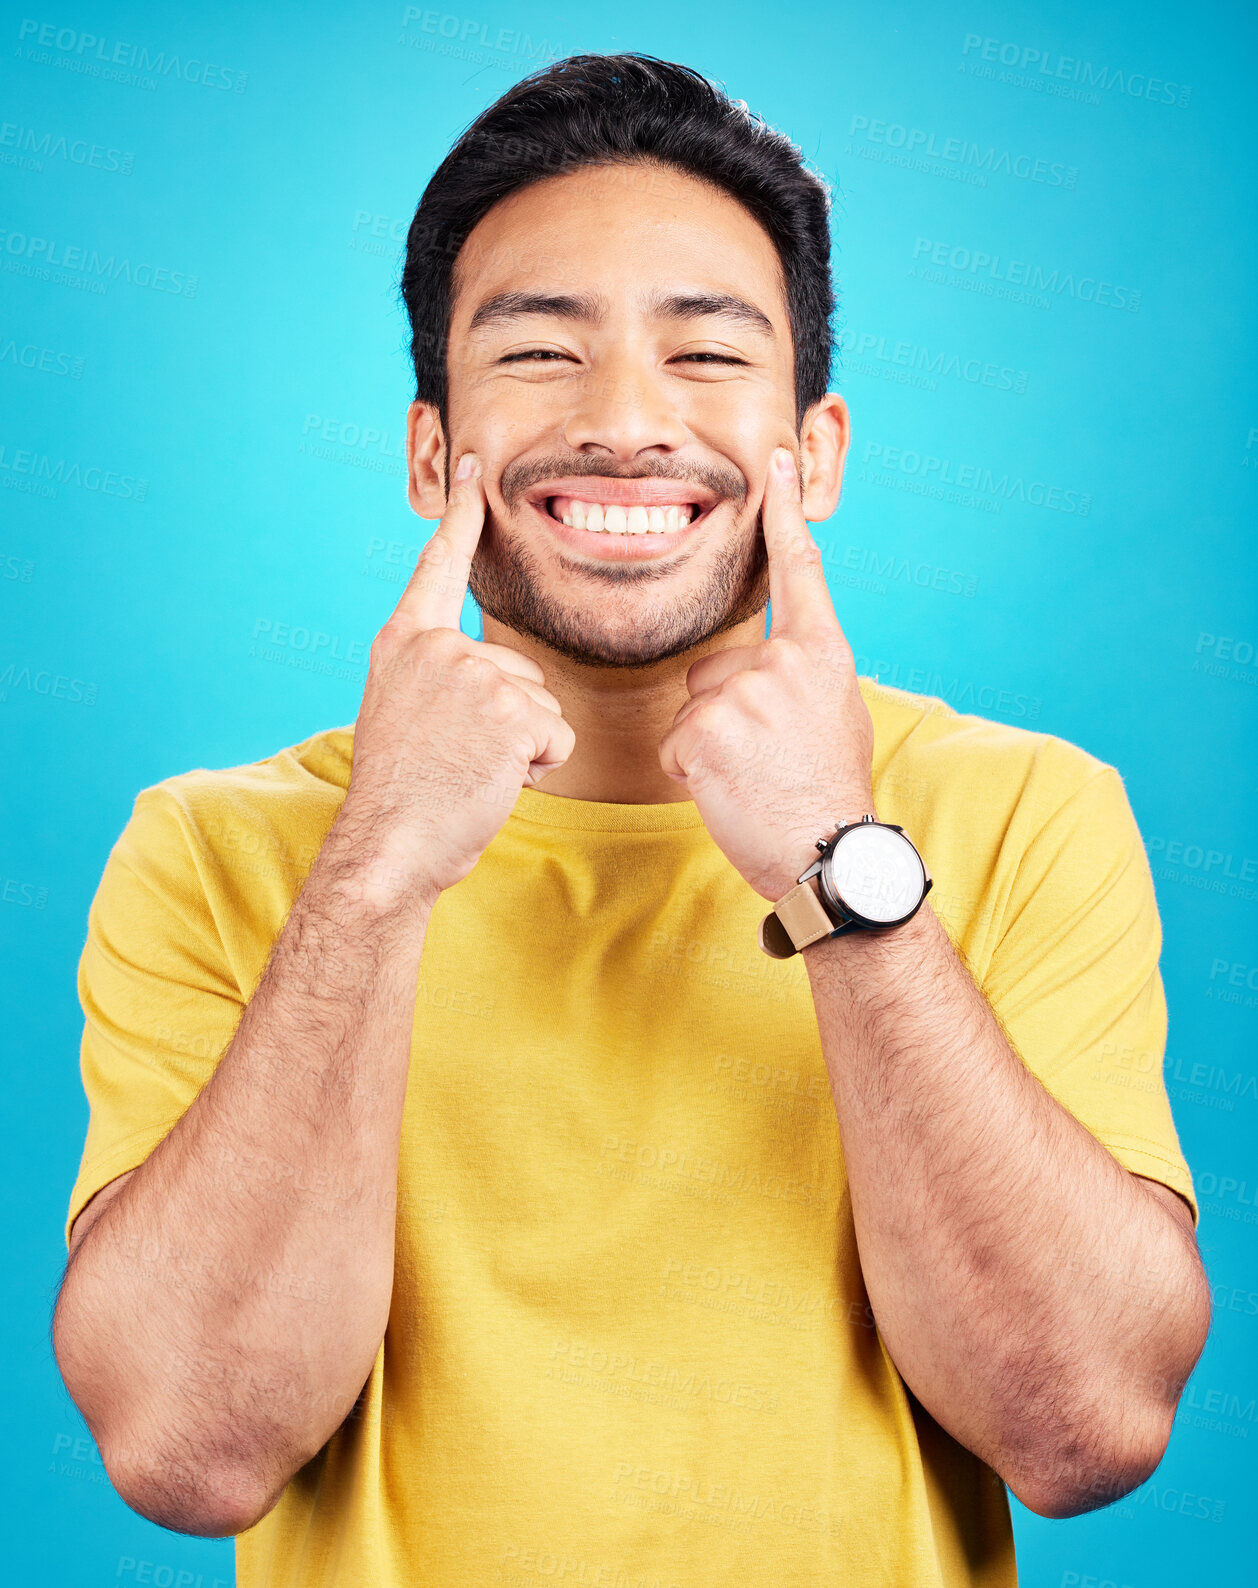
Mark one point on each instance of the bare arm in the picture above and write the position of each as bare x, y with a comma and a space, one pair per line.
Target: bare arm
225, 1305
225, 1301
1042, 1302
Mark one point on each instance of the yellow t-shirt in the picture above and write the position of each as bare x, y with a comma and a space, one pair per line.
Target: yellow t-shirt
630, 1345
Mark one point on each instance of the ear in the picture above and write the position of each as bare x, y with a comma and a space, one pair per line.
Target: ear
425, 460
823, 443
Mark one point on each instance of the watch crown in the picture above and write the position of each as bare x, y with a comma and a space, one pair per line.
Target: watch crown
821, 844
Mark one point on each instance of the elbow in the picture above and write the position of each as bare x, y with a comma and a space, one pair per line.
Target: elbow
214, 1495
1059, 1496
210, 1498
1077, 1477
1117, 1444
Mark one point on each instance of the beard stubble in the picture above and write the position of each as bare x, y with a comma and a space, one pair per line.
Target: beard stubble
597, 628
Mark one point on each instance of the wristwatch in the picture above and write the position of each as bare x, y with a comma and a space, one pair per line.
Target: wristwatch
869, 878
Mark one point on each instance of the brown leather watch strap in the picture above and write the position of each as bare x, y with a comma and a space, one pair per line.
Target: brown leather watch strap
796, 920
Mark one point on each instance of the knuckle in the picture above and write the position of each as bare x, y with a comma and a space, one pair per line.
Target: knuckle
750, 684
446, 643
805, 554
714, 716
502, 698
788, 655
473, 670
386, 645
527, 665
429, 654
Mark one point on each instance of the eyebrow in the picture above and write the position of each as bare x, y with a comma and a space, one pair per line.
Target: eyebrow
517, 305
713, 305
592, 309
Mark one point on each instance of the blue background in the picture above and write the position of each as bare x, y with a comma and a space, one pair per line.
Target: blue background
205, 520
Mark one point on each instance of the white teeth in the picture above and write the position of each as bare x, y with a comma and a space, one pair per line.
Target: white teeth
635, 520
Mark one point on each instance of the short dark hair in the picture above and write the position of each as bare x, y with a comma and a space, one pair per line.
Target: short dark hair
614, 109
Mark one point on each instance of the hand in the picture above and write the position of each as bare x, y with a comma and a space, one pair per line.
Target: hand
450, 728
775, 744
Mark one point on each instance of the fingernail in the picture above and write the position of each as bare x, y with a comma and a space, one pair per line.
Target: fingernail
784, 463
469, 466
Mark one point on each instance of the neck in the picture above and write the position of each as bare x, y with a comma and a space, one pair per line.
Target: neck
619, 715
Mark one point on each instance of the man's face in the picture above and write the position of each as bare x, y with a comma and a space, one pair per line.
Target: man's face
620, 353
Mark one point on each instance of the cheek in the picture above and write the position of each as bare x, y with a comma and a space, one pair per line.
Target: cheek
488, 411
742, 424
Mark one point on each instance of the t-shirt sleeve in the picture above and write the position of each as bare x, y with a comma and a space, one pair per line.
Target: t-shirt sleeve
1074, 978
160, 1003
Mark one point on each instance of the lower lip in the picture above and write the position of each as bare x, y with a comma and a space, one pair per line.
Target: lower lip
609, 546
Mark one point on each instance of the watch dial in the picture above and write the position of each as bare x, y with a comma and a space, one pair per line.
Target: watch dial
876, 873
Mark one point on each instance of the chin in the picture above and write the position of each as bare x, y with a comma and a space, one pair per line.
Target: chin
647, 629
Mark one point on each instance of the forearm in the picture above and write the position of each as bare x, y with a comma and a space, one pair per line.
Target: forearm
223, 1313
1033, 1294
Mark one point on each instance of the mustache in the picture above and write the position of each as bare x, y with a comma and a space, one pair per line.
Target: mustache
518, 476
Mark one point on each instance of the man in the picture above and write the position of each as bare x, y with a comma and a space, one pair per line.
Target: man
495, 1172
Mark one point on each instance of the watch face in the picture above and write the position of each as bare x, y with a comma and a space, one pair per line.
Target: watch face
875, 873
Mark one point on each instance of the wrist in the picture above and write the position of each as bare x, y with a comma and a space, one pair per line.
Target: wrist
374, 877
872, 972
870, 878
845, 812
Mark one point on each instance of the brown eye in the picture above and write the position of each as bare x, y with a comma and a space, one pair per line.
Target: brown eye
547, 353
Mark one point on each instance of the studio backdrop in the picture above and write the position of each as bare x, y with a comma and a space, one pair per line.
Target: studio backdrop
1044, 225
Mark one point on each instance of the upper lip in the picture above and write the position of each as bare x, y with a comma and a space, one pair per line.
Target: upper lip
649, 490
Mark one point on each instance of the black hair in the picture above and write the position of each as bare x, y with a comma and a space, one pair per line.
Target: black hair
611, 109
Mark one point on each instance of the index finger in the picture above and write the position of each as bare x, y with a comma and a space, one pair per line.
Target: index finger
435, 591
798, 593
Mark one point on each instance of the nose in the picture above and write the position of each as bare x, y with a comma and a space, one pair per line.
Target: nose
622, 409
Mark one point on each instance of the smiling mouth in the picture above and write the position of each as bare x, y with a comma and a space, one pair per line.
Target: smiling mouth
618, 518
